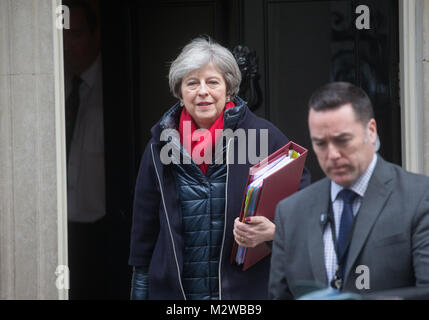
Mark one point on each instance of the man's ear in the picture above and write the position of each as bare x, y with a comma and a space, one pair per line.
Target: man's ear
371, 128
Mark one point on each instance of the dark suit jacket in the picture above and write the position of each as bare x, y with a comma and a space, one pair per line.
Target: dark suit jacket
391, 237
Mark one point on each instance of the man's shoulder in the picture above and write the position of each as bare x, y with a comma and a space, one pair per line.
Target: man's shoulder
408, 188
414, 180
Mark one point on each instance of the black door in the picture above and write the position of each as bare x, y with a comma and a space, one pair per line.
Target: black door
299, 45
304, 44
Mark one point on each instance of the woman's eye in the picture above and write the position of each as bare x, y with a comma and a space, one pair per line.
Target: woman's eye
191, 84
213, 82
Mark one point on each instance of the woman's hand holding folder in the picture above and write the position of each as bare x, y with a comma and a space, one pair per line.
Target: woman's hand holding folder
254, 231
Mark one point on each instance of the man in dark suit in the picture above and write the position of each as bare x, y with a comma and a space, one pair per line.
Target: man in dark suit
365, 227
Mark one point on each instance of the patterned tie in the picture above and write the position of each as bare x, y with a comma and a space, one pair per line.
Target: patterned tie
346, 223
72, 108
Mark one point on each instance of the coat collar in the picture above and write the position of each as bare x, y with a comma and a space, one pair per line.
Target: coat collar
379, 189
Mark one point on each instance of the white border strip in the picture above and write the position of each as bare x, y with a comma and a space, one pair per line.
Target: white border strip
60, 147
411, 80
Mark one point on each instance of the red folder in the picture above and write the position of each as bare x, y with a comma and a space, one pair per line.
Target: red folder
276, 187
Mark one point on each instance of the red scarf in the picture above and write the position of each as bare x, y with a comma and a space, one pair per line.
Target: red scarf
186, 136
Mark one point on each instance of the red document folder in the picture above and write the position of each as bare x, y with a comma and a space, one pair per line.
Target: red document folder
276, 187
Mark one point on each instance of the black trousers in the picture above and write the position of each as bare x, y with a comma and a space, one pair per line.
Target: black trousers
98, 259
88, 257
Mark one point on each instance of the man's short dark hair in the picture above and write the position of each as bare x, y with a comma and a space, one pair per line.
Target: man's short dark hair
336, 94
90, 15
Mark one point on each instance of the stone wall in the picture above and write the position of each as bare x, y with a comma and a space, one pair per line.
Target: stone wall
28, 150
426, 84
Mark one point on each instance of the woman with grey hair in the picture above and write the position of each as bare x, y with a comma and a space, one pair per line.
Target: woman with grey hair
190, 186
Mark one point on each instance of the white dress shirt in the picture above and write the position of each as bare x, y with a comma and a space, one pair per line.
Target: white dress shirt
86, 175
359, 187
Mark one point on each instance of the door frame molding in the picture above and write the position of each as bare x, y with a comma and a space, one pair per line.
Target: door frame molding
411, 83
61, 162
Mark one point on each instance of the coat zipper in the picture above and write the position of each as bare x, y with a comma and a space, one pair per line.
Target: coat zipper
168, 223
224, 225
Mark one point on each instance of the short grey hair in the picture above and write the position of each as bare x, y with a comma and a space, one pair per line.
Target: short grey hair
197, 54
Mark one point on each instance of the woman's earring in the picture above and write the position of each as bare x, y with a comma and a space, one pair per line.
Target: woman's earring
181, 104
228, 99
